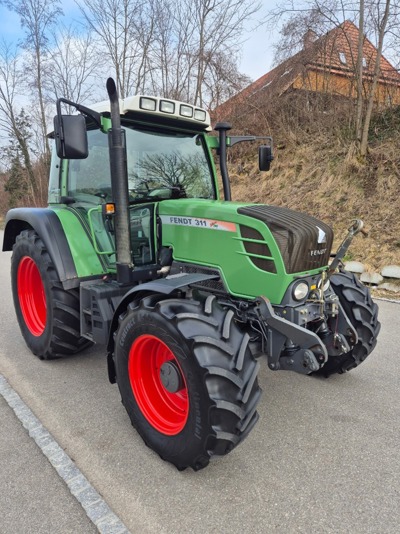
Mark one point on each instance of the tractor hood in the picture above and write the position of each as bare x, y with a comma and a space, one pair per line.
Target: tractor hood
304, 242
274, 239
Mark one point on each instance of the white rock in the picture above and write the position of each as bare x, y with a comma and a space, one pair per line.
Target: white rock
354, 267
390, 287
391, 271
371, 278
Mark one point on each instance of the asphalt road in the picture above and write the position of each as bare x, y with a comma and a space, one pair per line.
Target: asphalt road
324, 457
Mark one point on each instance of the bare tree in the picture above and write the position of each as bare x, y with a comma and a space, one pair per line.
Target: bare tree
72, 66
223, 80
219, 26
169, 46
13, 122
125, 30
375, 16
376, 74
193, 39
298, 30
38, 17
172, 51
359, 72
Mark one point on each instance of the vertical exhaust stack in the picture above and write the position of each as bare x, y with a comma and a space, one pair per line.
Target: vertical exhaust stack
119, 182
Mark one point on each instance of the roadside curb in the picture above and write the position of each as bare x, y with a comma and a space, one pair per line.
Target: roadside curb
394, 301
93, 504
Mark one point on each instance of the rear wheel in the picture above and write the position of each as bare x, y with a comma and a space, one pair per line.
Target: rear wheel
187, 378
47, 314
362, 312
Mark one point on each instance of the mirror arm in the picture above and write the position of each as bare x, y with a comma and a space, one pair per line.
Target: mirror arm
240, 138
82, 109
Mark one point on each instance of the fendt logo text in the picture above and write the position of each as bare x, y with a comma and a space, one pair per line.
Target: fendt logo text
318, 252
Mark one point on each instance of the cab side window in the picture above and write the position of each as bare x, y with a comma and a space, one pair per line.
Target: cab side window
89, 180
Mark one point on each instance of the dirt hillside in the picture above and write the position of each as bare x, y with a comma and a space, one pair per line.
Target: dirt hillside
318, 172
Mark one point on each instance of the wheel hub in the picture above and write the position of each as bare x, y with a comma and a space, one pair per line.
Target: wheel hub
158, 385
31, 295
171, 377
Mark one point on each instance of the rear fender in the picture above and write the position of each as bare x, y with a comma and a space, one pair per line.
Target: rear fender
48, 227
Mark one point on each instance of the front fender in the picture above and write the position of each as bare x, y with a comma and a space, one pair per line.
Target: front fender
164, 286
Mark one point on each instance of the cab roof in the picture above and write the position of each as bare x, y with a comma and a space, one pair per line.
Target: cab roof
157, 107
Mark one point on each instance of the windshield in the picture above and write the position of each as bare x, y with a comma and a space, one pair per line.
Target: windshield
161, 165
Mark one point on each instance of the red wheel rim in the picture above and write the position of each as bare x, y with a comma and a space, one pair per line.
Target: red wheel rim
31, 295
167, 412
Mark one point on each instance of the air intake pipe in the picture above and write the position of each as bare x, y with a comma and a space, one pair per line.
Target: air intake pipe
222, 128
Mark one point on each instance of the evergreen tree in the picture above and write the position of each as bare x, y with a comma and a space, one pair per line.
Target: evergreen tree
16, 185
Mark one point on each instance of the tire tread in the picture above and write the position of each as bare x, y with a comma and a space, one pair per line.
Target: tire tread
65, 338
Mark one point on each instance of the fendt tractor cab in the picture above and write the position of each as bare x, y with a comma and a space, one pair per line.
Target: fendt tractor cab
188, 291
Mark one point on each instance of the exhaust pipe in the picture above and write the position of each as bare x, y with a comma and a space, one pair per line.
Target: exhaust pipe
119, 183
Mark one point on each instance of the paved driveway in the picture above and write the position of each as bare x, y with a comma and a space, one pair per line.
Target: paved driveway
324, 456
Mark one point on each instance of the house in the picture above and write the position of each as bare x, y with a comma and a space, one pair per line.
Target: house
324, 65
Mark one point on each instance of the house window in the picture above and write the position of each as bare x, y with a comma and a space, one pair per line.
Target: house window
342, 57
364, 62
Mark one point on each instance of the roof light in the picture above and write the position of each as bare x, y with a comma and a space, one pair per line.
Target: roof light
186, 111
167, 107
163, 107
148, 104
199, 115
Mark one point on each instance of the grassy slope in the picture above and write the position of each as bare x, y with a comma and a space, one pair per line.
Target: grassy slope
325, 179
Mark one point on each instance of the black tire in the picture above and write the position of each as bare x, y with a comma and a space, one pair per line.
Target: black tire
357, 303
47, 314
218, 370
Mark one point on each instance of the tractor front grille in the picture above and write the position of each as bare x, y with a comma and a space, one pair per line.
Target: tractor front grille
304, 242
257, 249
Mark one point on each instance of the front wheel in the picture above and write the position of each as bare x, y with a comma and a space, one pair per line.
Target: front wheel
187, 378
47, 314
362, 312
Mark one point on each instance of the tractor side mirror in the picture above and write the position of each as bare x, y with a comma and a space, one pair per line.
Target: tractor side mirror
71, 136
265, 157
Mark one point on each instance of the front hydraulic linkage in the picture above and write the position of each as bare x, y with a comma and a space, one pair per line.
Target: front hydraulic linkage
309, 352
358, 226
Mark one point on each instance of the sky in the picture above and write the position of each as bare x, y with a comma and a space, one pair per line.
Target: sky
256, 52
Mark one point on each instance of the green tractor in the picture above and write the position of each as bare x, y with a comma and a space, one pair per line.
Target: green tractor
137, 251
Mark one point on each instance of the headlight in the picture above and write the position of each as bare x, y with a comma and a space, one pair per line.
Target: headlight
300, 291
